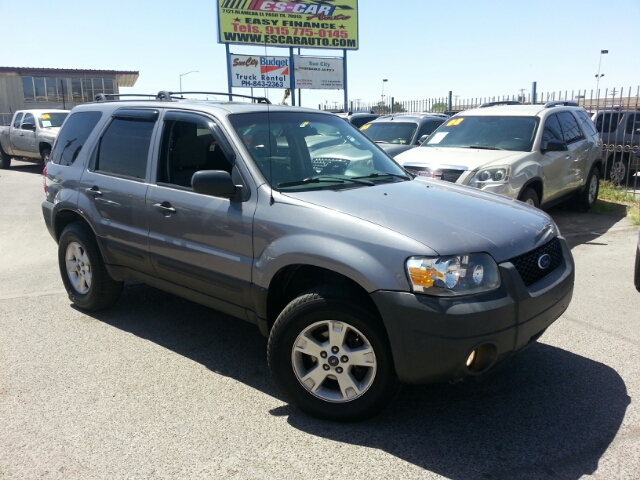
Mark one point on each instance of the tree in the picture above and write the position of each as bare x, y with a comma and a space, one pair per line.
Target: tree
439, 107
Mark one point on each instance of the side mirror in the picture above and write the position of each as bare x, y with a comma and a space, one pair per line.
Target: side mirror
28, 126
422, 139
217, 183
555, 146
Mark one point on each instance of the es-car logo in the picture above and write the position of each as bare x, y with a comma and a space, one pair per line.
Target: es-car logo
292, 7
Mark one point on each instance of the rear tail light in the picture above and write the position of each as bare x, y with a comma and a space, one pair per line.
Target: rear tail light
44, 179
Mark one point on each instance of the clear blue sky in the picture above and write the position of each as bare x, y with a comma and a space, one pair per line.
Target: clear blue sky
474, 48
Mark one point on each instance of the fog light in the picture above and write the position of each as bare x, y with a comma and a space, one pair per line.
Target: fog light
471, 358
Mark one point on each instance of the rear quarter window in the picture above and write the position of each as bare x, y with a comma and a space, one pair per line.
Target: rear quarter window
73, 136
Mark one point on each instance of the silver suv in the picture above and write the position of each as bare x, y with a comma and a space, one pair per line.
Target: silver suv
356, 289
541, 155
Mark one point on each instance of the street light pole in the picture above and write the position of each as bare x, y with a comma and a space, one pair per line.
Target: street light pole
384, 80
598, 77
183, 74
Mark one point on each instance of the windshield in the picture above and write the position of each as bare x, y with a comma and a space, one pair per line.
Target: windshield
390, 132
486, 132
309, 151
52, 119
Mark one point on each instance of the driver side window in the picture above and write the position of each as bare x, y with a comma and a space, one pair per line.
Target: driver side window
552, 131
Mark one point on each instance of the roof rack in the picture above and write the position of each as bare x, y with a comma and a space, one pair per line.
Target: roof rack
505, 102
105, 97
563, 103
166, 96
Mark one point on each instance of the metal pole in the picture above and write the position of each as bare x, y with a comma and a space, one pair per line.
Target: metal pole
299, 90
450, 101
344, 79
229, 79
292, 78
534, 92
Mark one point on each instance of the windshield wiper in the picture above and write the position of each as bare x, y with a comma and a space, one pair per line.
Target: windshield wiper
381, 141
324, 179
485, 147
383, 174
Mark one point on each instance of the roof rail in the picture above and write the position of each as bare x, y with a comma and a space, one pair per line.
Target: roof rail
178, 95
505, 102
106, 97
563, 103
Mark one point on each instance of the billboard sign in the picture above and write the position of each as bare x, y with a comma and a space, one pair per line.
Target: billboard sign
298, 23
319, 73
257, 71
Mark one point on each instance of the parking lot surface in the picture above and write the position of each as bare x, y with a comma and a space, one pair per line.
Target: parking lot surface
159, 387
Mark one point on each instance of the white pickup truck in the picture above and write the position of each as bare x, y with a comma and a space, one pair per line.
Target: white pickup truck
30, 135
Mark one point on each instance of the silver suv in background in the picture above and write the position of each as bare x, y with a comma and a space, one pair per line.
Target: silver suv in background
541, 155
228, 205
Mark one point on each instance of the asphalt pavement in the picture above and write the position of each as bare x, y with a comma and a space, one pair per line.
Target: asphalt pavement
160, 387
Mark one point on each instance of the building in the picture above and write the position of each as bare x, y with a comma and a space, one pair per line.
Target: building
23, 88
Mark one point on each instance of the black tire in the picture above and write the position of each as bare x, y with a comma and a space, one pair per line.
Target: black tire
530, 197
636, 278
5, 160
617, 170
363, 332
45, 154
589, 194
94, 288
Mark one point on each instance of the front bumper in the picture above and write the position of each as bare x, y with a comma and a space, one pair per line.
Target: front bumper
432, 337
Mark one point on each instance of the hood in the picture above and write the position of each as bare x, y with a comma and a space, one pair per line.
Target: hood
445, 217
50, 132
394, 149
465, 158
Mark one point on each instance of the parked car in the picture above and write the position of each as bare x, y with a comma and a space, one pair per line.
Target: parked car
620, 134
398, 133
30, 135
541, 155
636, 276
355, 287
358, 118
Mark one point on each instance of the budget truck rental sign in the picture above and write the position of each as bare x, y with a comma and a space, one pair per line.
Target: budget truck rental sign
301, 23
256, 71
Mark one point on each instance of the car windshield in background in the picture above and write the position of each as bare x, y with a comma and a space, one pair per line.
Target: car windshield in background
52, 119
390, 132
486, 132
308, 151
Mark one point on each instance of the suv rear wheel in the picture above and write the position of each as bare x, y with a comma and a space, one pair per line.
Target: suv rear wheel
589, 194
82, 269
331, 357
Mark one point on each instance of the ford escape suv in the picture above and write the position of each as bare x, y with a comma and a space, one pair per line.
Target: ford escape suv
226, 204
539, 154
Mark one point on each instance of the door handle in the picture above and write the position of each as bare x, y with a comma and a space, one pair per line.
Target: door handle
568, 157
93, 191
165, 208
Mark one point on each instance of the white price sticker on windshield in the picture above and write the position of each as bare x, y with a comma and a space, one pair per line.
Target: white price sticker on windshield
437, 138
46, 123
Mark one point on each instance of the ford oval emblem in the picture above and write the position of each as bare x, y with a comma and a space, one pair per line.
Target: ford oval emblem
544, 261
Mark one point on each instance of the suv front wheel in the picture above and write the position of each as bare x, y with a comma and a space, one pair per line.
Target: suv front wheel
82, 269
331, 357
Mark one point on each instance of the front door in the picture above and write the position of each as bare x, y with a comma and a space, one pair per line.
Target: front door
24, 139
199, 241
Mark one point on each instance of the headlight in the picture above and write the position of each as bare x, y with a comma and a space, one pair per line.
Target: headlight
499, 174
454, 275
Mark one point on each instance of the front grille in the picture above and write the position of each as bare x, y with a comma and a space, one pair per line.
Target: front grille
446, 174
527, 264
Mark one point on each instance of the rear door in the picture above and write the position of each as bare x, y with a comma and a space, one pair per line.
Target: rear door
554, 164
115, 185
577, 153
199, 241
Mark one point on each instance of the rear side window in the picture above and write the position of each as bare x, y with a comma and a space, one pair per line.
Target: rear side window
428, 128
124, 147
73, 136
585, 122
570, 128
